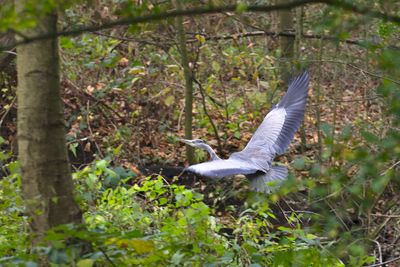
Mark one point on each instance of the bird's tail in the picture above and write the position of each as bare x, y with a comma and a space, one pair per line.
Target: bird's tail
265, 182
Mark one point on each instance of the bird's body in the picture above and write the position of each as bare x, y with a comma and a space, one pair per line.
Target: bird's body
270, 139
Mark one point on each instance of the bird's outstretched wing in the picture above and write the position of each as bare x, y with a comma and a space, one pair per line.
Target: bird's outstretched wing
222, 168
271, 138
279, 126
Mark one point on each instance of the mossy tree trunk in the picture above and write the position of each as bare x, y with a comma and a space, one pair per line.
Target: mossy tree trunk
46, 176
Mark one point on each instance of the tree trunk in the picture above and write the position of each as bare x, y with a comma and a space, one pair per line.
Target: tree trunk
286, 43
297, 57
46, 177
188, 84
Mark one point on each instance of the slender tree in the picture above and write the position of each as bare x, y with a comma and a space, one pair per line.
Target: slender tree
286, 43
297, 57
46, 176
188, 83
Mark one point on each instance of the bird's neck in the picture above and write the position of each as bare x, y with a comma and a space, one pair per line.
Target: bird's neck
212, 153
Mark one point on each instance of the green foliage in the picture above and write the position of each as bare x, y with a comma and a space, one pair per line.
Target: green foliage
13, 222
94, 180
157, 223
32, 11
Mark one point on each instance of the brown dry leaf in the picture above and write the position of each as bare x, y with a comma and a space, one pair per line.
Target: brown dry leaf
99, 86
74, 130
89, 89
87, 147
146, 150
133, 168
123, 62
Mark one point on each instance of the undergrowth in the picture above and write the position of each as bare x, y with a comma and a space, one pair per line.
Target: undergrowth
155, 224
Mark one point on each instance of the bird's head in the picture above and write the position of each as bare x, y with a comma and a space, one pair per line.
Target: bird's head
203, 145
194, 142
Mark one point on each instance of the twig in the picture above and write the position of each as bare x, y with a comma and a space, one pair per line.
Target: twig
9, 52
357, 68
391, 167
77, 140
7, 111
293, 211
385, 215
357, 100
275, 34
338, 216
203, 99
107, 257
378, 229
373, 74
125, 39
318, 107
284, 215
303, 212
18, 33
383, 263
90, 130
379, 250
95, 99
180, 118
216, 102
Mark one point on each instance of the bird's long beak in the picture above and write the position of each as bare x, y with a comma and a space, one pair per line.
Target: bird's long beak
186, 141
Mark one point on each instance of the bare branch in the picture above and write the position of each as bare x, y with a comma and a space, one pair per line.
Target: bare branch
352, 65
276, 34
362, 10
383, 263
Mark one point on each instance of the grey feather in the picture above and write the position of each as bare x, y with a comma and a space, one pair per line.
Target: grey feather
265, 182
223, 168
293, 103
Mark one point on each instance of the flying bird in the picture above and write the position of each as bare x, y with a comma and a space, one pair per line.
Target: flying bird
271, 138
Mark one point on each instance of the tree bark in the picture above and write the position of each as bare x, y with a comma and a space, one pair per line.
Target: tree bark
188, 84
286, 43
46, 177
297, 57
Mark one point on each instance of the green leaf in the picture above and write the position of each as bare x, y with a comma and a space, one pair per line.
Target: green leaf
169, 100
326, 129
72, 148
85, 263
163, 201
66, 42
101, 164
177, 258
216, 67
241, 7
369, 137
346, 132
299, 163
237, 134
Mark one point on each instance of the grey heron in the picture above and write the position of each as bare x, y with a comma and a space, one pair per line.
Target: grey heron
271, 138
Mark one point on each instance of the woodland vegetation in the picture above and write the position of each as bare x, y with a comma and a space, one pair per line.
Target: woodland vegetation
90, 163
